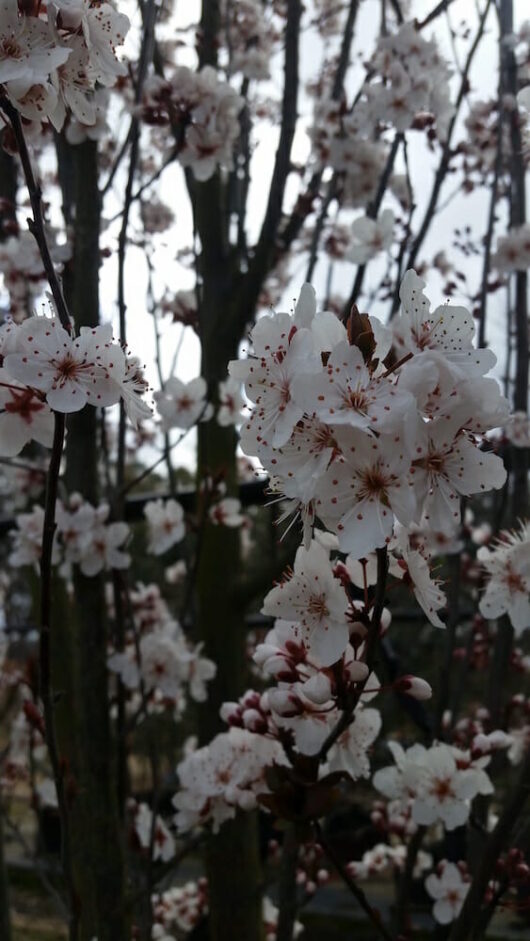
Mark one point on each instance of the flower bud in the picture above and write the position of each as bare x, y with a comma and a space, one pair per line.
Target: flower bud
413, 686
254, 721
230, 713
357, 671
285, 703
317, 689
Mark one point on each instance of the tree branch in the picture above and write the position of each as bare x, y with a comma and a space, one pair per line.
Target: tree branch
464, 925
36, 225
356, 891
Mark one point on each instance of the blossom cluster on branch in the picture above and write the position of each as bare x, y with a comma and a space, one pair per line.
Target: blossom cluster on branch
52, 58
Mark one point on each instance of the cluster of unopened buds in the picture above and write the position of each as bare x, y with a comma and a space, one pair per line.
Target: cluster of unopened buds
158, 659
312, 871
511, 870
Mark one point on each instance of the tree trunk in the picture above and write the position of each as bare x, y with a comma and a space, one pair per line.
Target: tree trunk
517, 218
8, 192
101, 876
5, 921
232, 859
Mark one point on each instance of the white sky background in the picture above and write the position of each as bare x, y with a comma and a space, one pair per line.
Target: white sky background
173, 276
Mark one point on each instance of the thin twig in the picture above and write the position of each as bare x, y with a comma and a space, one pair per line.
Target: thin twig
445, 159
372, 212
348, 714
356, 891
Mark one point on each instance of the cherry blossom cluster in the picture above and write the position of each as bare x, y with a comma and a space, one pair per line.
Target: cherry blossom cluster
165, 524
507, 569
513, 250
159, 662
372, 432
450, 883
448, 886
363, 437
343, 140
22, 271
182, 404
205, 112
179, 909
433, 785
44, 367
319, 627
414, 81
52, 57
387, 858
224, 776
480, 145
371, 236
517, 430
312, 865
406, 87
251, 38
84, 537
148, 832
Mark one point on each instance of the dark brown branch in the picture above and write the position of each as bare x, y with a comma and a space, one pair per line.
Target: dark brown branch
348, 714
356, 891
471, 912
345, 50
264, 251
444, 673
319, 227
483, 297
149, 12
509, 84
445, 159
36, 225
435, 13
372, 211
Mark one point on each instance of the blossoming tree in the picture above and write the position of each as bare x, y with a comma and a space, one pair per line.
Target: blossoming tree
383, 674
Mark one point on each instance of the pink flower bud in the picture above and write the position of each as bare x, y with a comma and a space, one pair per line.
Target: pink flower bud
254, 721
413, 686
263, 652
285, 703
318, 689
230, 713
250, 699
